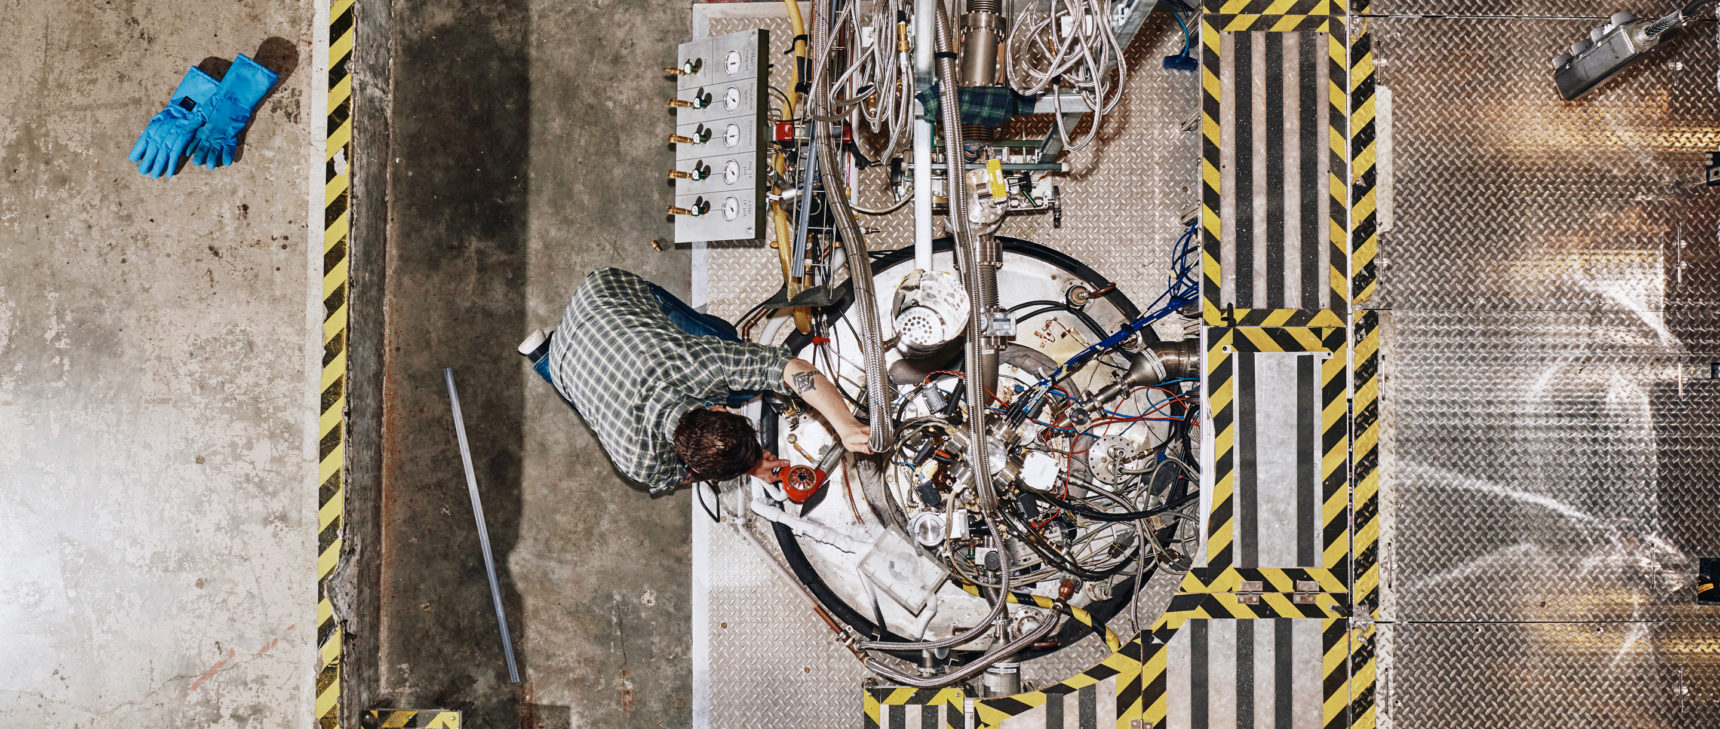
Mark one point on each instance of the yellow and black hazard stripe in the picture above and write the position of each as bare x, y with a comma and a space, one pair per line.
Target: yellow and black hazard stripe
1081, 689
410, 718
1364, 238
1077, 614
331, 451
1262, 606
1212, 594
1286, 16
1365, 380
1222, 343
932, 707
1335, 673
1211, 197
1270, 579
1366, 457
1366, 510
1282, 16
1155, 711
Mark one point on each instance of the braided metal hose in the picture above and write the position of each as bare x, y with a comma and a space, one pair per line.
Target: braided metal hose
974, 270
878, 387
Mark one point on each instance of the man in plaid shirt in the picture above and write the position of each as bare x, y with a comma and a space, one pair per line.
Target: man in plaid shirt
652, 377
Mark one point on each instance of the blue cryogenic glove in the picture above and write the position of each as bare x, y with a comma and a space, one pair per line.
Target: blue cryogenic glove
164, 142
242, 89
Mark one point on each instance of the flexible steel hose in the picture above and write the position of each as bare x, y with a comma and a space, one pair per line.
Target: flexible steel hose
878, 388
977, 665
957, 188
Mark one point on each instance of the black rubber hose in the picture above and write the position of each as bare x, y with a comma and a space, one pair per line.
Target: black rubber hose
1049, 305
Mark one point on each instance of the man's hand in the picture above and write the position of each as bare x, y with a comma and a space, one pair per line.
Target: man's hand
857, 440
813, 387
764, 471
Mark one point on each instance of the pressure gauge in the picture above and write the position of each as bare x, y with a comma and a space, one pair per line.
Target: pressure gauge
731, 171
732, 98
733, 62
732, 135
731, 208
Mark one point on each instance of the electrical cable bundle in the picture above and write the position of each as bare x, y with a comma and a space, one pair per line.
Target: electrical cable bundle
1073, 46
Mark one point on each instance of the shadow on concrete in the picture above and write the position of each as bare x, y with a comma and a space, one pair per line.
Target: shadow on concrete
276, 54
454, 272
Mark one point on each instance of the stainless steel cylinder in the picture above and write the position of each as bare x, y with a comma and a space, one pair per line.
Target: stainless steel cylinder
982, 31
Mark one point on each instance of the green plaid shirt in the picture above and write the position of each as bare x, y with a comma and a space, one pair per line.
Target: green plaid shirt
632, 374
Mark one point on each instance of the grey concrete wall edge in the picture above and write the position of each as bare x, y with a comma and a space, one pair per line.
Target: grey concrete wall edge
359, 606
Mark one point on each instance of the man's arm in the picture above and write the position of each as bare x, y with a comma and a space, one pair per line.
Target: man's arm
813, 387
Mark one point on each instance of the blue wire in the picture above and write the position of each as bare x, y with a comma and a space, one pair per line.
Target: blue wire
1187, 41
1182, 289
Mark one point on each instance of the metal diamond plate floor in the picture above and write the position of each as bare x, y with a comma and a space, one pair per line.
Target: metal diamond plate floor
1550, 432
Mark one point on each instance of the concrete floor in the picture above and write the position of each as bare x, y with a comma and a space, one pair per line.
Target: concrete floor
157, 375
528, 148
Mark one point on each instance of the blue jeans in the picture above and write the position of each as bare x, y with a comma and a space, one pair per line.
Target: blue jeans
685, 318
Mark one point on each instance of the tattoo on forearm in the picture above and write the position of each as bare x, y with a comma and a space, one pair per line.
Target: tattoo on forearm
804, 382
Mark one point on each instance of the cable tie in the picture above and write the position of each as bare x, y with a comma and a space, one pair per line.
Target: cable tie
940, 55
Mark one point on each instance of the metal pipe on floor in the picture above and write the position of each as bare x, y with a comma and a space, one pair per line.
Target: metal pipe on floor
483, 531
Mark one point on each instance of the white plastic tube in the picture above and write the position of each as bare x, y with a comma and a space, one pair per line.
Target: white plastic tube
925, 35
922, 192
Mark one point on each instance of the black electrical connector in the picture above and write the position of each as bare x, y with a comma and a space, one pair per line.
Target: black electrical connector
929, 495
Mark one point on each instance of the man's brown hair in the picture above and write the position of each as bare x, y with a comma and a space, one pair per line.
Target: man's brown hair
715, 445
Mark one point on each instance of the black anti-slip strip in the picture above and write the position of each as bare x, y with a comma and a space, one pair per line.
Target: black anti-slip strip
1242, 62
1283, 685
1245, 666
1247, 532
1273, 128
1197, 689
1309, 109
1307, 513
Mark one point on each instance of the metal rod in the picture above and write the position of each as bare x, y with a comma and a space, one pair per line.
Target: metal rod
483, 532
925, 34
